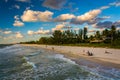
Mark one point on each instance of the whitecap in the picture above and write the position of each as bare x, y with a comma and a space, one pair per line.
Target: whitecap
34, 54
32, 64
29, 63
61, 57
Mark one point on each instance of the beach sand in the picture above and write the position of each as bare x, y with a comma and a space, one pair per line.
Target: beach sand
103, 56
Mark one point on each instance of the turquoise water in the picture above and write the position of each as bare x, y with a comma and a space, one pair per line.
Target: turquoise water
31, 63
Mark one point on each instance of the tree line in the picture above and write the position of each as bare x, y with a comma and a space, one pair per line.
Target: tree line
108, 36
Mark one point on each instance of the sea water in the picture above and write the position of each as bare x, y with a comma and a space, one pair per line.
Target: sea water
32, 63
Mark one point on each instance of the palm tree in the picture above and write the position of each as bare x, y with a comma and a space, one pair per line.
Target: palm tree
113, 34
85, 33
97, 35
80, 36
57, 36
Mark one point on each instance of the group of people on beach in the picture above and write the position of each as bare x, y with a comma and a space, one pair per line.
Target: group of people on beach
88, 53
91, 54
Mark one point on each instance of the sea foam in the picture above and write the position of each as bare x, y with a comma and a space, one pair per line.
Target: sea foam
61, 57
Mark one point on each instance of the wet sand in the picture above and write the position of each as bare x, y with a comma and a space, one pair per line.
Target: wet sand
101, 56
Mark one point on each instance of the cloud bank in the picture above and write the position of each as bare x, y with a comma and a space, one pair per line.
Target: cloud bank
64, 17
34, 16
86, 17
58, 27
40, 31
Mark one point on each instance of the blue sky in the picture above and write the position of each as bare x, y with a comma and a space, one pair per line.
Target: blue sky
25, 20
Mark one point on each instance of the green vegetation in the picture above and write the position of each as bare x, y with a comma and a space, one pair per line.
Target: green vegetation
107, 38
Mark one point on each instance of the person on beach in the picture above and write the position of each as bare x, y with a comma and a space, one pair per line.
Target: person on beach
90, 54
107, 52
53, 48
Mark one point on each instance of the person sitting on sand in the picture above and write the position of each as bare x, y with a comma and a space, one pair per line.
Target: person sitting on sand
89, 54
107, 52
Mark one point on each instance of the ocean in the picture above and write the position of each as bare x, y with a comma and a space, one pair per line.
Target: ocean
33, 63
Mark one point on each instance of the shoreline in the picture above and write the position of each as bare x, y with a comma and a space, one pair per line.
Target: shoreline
76, 54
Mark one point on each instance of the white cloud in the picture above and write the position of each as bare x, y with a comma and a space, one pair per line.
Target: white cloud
30, 32
7, 32
18, 35
86, 17
104, 7
33, 16
89, 15
41, 31
64, 17
18, 23
58, 27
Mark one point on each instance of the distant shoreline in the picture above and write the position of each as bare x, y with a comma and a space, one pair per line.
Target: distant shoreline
76, 53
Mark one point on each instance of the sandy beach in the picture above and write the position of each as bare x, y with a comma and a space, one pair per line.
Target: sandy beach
105, 56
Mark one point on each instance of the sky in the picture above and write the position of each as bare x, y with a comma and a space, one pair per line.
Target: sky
26, 20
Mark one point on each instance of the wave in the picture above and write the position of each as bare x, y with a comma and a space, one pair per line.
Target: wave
103, 72
34, 54
32, 64
29, 63
61, 57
